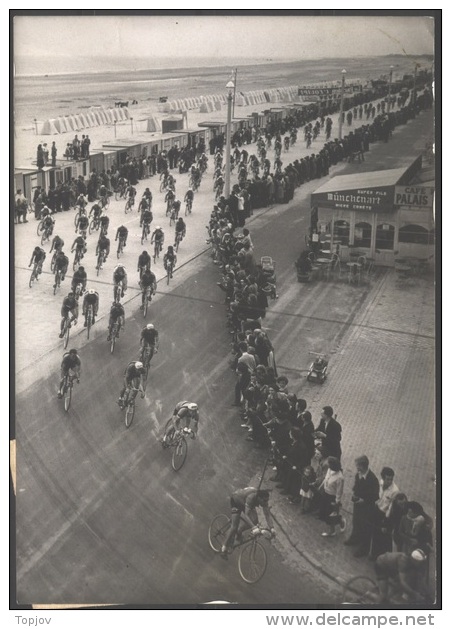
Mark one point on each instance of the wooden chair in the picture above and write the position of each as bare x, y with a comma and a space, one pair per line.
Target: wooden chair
354, 274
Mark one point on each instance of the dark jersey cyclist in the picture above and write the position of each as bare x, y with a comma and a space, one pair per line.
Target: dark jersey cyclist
144, 262
90, 299
148, 281
82, 225
146, 218
103, 244
244, 503
169, 259
104, 223
96, 210
57, 244
122, 233
70, 305
79, 244
79, 277
133, 378
120, 275
149, 338
38, 256
70, 364
180, 229
61, 264
117, 314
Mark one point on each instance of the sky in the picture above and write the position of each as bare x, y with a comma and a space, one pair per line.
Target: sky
273, 37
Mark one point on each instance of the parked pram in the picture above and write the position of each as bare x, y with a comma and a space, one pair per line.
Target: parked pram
318, 369
269, 270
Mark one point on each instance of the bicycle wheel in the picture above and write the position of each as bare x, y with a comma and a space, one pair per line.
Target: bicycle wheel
67, 397
52, 263
177, 242
113, 340
217, 531
99, 263
360, 590
252, 562
43, 237
119, 249
129, 414
66, 332
57, 282
145, 305
162, 186
89, 322
127, 207
76, 261
179, 454
32, 278
39, 228
168, 273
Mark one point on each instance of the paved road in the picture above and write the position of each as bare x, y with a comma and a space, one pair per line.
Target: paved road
101, 517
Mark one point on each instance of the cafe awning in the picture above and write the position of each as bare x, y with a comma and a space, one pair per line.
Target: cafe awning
369, 191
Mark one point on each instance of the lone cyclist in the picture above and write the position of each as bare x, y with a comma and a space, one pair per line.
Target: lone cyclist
70, 362
244, 503
184, 411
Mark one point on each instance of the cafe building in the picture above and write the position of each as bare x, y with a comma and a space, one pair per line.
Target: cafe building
381, 215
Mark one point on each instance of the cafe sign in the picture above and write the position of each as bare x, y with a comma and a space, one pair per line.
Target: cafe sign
357, 199
415, 196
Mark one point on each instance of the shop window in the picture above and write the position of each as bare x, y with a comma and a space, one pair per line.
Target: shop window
341, 232
385, 236
362, 235
414, 234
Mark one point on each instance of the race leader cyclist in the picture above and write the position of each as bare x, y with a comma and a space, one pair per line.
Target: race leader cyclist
149, 338
38, 256
117, 314
183, 412
133, 378
244, 503
70, 363
148, 281
70, 305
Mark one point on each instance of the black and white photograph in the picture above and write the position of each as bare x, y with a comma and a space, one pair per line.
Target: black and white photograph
225, 280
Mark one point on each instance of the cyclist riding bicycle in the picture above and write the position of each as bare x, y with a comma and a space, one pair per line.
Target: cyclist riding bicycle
120, 275
103, 244
244, 503
104, 223
158, 236
96, 210
130, 192
81, 203
183, 412
79, 277
149, 338
91, 298
38, 256
189, 196
133, 378
146, 218
169, 258
407, 571
61, 264
143, 204
169, 198
57, 244
144, 262
148, 280
70, 362
148, 195
79, 244
180, 228
122, 233
176, 207
45, 211
70, 305
82, 225
117, 314
48, 224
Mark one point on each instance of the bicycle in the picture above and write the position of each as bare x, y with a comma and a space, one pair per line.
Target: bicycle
158, 246
105, 202
145, 232
94, 225
40, 228
120, 246
169, 270
52, 262
67, 389
67, 324
117, 291
129, 204
147, 354
101, 258
129, 405
173, 216
178, 240
77, 216
176, 439
188, 207
78, 258
78, 290
114, 335
147, 299
89, 318
120, 192
252, 560
46, 233
57, 283
35, 273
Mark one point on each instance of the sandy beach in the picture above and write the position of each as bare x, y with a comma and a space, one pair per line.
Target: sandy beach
75, 93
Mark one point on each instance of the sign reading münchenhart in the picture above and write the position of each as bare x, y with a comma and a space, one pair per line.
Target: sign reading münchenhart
365, 200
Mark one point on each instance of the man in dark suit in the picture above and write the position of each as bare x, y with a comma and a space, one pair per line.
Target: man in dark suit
365, 493
329, 431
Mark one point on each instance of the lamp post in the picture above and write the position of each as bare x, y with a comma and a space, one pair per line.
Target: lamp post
230, 87
414, 91
131, 120
340, 119
389, 88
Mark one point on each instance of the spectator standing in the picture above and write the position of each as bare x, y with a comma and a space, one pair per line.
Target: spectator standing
331, 491
398, 509
382, 539
40, 157
365, 493
329, 431
53, 153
